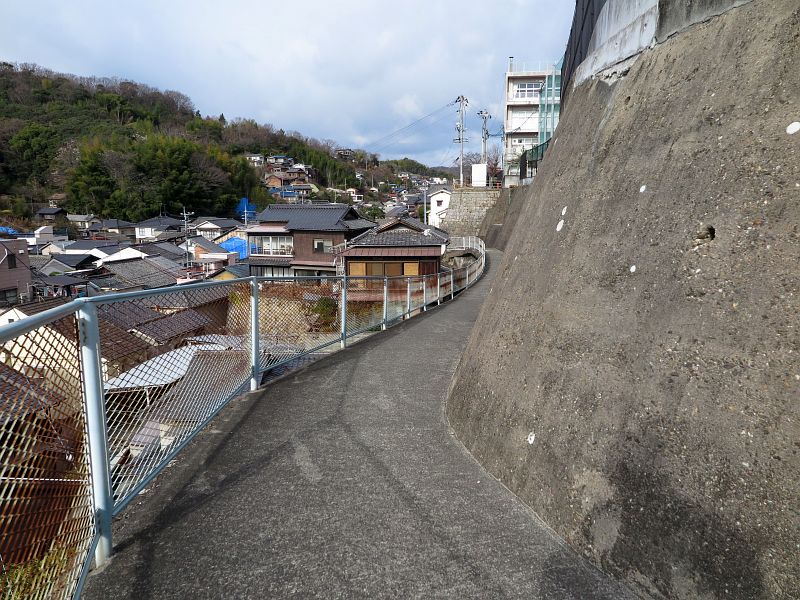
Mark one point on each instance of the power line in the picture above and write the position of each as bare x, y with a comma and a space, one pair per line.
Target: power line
410, 133
402, 129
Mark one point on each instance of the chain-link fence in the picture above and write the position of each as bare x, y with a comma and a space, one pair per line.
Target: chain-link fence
99, 395
46, 515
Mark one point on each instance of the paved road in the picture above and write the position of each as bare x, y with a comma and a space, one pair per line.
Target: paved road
343, 481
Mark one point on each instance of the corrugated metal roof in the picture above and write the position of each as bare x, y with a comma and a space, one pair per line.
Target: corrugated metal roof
162, 370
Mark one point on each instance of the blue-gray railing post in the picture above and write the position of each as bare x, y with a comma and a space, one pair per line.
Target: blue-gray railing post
255, 352
452, 284
438, 289
385, 302
92, 375
466, 272
408, 298
424, 292
344, 311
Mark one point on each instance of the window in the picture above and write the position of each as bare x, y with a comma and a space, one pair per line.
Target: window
268, 271
325, 246
394, 269
439, 202
527, 90
8, 296
375, 269
12, 261
357, 269
411, 268
272, 245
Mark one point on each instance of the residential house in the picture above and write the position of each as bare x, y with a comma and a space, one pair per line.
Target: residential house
345, 153
210, 256
68, 263
149, 229
256, 160
298, 239
82, 222
51, 213
212, 227
40, 238
400, 247
117, 227
15, 271
236, 271
438, 203
280, 159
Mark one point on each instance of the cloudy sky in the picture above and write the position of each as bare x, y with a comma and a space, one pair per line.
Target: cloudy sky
352, 71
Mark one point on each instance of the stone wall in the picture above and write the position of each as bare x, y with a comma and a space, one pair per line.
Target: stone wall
468, 207
634, 374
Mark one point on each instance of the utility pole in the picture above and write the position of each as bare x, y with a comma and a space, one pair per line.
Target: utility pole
462, 132
186, 232
484, 134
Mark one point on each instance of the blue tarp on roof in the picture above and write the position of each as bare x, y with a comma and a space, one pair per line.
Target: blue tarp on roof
236, 244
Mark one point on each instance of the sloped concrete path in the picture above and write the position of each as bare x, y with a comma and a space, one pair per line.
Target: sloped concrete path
343, 481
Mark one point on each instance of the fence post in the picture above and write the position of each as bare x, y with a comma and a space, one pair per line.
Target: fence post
466, 271
385, 302
408, 298
438, 289
425, 293
255, 351
92, 375
452, 284
344, 311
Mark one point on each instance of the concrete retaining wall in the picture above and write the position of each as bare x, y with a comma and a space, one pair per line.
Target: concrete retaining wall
626, 27
467, 210
635, 372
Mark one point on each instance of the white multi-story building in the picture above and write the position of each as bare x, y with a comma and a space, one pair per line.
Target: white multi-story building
521, 120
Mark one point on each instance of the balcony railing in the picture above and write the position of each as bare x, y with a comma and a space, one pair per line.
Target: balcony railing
99, 395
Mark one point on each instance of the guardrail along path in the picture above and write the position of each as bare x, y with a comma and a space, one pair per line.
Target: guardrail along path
342, 480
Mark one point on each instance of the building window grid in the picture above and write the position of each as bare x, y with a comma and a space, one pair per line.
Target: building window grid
323, 246
527, 89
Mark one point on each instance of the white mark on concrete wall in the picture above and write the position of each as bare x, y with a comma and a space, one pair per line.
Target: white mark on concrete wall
633, 268
560, 225
643, 189
793, 128
531, 437
563, 211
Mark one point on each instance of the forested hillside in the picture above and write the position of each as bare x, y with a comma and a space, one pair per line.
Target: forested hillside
126, 150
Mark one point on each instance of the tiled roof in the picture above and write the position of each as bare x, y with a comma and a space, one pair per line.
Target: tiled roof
50, 210
144, 272
171, 326
275, 261
207, 245
314, 217
115, 342
127, 314
73, 260
402, 231
116, 224
20, 396
239, 270
160, 222
91, 244
37, 261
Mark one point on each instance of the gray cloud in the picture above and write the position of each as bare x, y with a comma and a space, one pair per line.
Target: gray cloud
347, 70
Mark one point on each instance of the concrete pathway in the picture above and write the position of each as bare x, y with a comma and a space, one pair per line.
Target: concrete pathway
344, 481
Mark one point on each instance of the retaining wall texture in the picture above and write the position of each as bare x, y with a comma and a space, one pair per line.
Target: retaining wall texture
635, 381
467, 210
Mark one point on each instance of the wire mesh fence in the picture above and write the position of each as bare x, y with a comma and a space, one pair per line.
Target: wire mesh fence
46, 512
170, 361
164, 363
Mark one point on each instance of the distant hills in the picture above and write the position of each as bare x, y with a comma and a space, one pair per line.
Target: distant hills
122, 149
